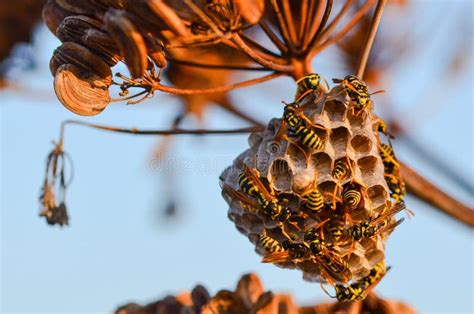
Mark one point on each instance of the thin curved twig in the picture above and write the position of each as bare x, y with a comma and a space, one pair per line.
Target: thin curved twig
426, 191
257, 58
317, 17
273, 37
355, 19
287, 15
370, 38
219, 89
217, 66
174, 131
336, 20
282, 25
315, 39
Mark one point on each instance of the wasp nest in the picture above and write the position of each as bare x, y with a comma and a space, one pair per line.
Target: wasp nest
312, 193
249, 297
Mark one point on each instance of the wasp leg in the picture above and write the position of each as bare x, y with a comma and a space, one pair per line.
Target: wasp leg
335, 198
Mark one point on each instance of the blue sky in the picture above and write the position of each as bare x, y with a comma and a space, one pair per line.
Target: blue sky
118, 249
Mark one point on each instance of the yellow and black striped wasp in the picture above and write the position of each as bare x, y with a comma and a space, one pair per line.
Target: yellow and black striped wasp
358, 290
307, 84
341, 170
392, 176
269, 244
252, 187
313, 199
298, 126
381, 223
396, 187
388, 156
382, 127
313, 247
357, 91
352, 195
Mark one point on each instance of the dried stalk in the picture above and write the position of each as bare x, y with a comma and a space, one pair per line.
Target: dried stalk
220, 89
370, 38
355, 19
218, 66
273, 37
174, 131
315, 39
429, 193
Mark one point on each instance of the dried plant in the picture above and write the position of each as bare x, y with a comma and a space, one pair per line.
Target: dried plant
249, 296
318, 189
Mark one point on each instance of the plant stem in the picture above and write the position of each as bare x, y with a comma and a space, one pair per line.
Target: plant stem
255, 57
217, 66
176, 131
426, 191
355, 19
370, 38
220, 89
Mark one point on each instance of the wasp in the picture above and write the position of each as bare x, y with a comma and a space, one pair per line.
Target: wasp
297, 126
396, 187
269, 244
251, 184
391, 165
388, 156
358, 290
307, 84
312, 247
341, 170
313, 199
352, 196
383, 128
358, 92
377, 225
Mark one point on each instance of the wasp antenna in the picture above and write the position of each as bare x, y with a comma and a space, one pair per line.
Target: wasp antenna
378, 92
327, 292
327, 84
336, 80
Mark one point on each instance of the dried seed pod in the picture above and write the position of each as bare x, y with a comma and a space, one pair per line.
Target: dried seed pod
348, 158
86, 7
249, 288
169, 17
251, 10
224, 302
83, 93
83, 59
103, 45
130, 41
72, 28
53, 15
200, 297
156, 52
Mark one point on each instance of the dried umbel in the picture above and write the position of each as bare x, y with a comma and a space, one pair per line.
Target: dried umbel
53, 191
311, 191
250, 297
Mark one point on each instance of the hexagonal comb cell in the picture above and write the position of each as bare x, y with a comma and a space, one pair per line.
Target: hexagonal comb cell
303, 177
361, 144
336, 110
377, 195
367, 165
339, 138
322, 163
281, 174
